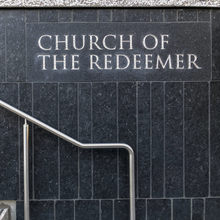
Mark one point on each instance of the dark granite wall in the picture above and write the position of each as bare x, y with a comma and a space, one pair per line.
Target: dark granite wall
174, 128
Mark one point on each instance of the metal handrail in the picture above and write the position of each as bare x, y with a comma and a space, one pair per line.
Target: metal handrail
76, 143
4, 212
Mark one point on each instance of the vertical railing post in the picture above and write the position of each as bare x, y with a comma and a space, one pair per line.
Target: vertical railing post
26, 171
75, 143
132, 185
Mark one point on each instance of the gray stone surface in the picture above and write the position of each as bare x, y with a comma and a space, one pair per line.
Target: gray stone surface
192, 43
108, 3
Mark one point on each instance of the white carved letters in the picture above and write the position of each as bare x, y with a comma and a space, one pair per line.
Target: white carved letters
112, 52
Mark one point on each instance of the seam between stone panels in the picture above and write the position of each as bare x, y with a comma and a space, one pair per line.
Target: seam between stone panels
25, 32
172, 209
38, 16
6, 68
144, 81
33, 174
150, 16
164, 143
191, 209
78, 150
5, 77
125, 22
111, 15
115, 199
54, 210
58, 168
151, 140
19, 146
209, 135
177, 18
137, 145
113, 210
97, 16
183, 87
74, 208
163, 15
71, 20
203, 213
146, 207
124, 15
119, 81
78, 125
100, 210
211, 15
92, 151
58, 115
118, 174
91, 140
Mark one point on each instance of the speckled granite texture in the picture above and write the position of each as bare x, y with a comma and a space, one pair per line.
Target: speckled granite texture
174, 128
109, 3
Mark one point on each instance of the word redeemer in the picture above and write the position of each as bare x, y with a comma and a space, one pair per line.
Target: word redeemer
107, 60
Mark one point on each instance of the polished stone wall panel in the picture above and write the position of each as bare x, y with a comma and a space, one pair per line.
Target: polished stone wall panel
159, 209
144, 142
187, 15
48, 16
15, 43
87, 209
64, 210
2, 48
157, 139
157, 15
141, 209
162, 64
120, 209
215, 45
197, 209
127, 131
196, 139
104, 15
85, 136
182, 209
45, 144
170, 15
87, 15
68, 123
174, 143
106, 209
65, 15
40, 210
104, 111
9, 148
204, 15
212, 210
118, 15
214, 138
32, 15
25, 104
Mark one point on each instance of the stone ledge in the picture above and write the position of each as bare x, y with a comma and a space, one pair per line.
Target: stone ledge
110, 3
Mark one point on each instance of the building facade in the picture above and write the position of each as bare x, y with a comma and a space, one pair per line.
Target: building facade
148, 77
